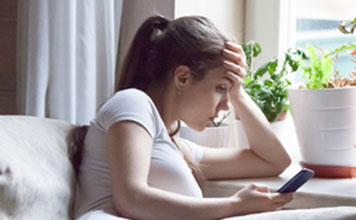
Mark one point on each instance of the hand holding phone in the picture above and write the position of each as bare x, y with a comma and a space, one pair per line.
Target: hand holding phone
297, 181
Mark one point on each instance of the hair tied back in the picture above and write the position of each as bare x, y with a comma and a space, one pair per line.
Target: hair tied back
160, 22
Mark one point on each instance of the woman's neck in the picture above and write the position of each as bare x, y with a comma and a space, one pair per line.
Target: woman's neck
164, 102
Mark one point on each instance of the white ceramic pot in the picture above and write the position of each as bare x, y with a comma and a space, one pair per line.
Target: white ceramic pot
241, 138
325, 122
216, 137
280, 128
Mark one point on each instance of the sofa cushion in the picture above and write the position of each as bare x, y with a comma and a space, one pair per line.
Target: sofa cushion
330, 213
36, 176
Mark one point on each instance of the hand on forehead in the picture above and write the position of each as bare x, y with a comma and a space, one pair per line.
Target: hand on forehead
234, 53
235, 59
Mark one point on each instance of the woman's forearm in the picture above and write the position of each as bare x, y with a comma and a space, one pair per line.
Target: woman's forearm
155, 204
261, 138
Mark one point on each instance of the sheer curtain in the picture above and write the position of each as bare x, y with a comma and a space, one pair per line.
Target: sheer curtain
66, 57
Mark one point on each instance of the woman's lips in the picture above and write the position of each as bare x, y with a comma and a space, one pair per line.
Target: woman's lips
211, 119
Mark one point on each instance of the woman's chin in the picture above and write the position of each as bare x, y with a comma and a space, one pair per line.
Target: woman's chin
198, 127
204, 126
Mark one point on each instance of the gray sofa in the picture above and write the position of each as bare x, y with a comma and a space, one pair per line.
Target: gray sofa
37, 180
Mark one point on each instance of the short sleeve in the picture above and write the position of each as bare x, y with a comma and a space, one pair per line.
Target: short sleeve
131, 104
195, 151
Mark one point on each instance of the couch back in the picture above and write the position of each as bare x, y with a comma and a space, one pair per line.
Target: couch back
36, 176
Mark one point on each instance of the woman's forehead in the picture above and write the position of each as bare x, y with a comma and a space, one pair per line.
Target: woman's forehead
218, 73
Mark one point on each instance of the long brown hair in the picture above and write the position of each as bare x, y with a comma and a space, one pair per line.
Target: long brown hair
161, 45
75, 141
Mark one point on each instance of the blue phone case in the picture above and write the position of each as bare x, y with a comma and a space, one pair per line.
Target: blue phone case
297, 181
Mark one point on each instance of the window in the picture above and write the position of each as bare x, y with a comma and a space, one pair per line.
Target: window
317, 24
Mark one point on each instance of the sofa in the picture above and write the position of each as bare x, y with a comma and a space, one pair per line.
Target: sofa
37, 181
36, 176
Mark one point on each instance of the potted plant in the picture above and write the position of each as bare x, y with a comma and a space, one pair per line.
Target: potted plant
324, 112
267, 87
270, 93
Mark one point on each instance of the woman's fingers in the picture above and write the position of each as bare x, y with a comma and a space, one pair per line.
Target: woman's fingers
257, 198
279, 200
235, 79
235, 48
262, 188
282, 198
237, 69
235, 57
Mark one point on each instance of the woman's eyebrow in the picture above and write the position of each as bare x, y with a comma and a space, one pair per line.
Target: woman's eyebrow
229, 82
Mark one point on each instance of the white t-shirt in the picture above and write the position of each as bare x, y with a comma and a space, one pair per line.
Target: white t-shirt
168, 170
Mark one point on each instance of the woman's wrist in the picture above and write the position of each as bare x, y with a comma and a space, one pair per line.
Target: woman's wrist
234, 207
239, 100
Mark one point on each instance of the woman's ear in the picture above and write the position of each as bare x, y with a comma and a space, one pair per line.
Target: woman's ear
182, 77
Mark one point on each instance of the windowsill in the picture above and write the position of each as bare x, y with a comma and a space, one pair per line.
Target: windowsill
318, 192
315, 193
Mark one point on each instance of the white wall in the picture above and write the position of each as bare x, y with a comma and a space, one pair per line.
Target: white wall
227, 15
134, 12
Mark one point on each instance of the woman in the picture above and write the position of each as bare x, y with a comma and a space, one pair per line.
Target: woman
134, 165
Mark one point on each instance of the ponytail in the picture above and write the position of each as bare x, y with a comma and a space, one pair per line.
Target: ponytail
192, 164
134, 73
75, 140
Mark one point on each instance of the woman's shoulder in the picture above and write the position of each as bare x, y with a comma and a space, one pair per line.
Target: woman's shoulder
131, 94
128, 98
128, 104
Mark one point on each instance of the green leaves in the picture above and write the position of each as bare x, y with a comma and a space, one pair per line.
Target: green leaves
270, 93
292, 56
342, 48
251, 50
318, 72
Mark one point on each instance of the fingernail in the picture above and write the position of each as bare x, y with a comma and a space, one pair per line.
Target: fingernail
229, 43
227, 65
227, 62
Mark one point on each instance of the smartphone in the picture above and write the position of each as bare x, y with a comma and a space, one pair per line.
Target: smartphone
297, 181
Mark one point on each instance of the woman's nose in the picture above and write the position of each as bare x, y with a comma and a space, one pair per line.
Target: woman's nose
224, 104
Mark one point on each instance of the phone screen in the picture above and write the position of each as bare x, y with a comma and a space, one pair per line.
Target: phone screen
297, 181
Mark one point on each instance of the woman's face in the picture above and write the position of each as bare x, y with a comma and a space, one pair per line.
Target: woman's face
203, 99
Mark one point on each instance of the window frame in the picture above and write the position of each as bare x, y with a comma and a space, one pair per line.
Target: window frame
272, 24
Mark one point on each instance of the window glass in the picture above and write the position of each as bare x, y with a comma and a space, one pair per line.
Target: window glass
317, 24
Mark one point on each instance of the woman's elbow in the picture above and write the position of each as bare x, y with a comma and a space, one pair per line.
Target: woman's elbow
126, 204
123, 207
283, 165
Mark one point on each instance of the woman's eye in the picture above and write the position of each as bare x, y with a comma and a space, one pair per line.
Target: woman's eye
221, 88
